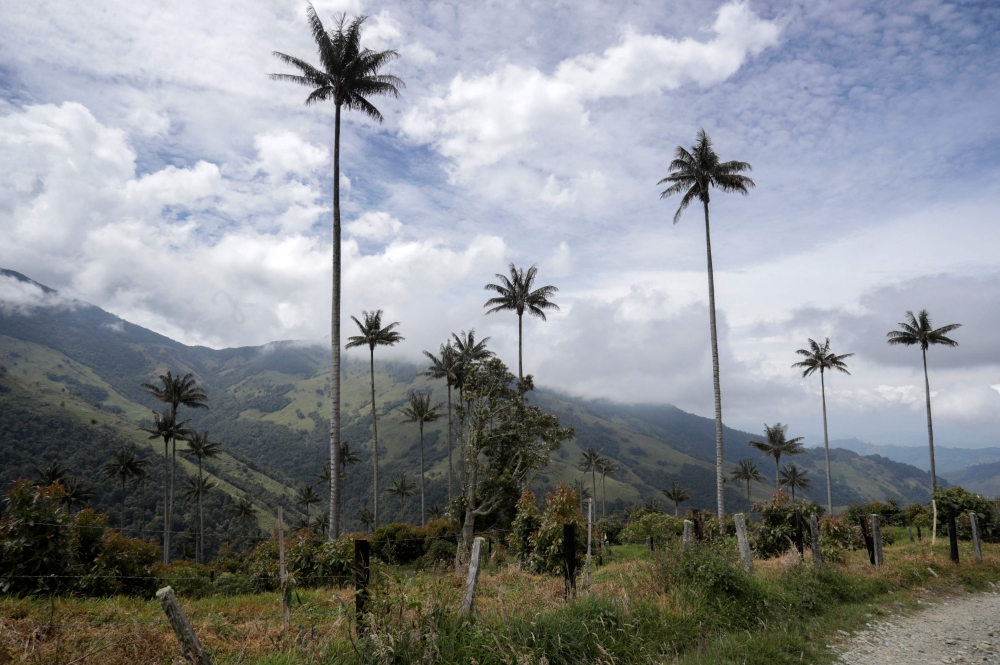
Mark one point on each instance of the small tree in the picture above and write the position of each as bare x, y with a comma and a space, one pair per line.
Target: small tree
794, 478
402, 489
244, 511
420, 411
123, 465
201, 449
746, 471
676, 495
775, 444
307, 497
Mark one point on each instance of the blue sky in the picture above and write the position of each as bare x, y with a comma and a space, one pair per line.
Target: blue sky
139, 143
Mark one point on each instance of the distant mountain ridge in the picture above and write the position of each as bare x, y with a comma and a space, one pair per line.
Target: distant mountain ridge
948, 460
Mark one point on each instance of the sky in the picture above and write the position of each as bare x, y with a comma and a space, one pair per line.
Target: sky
150, 167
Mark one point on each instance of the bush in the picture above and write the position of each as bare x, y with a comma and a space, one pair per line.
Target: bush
399, 543
561, 507
525, 527
124, 567
37, 547
188, 579
774, 534
440, 552
890, 514
963, 503
708, 568
320, 563
836, 537
610, 528
661, 527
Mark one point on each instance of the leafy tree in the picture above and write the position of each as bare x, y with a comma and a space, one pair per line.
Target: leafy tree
794, 478
445, 366
775, 444
590, 460
746, 471
505, 439
177, 391
244, 511
124, 465
918, 330
166, 427
374, 334
402, 489
349, 76
420, 411
37, 537
307, 497
607, 468
677, 495
201, 449
694, 173
516, 295
820, 357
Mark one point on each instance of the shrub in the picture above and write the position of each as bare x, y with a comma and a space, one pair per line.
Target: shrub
526, 523
188, 579
610, 528
561, 507
315, 563
709, 568
837, 536
398, 543
774, 533
963, 502
124, 566
659, 526
890, 514
439, 552
37, 549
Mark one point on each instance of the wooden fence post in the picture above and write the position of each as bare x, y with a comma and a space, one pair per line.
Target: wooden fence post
590, 522
649, 543
953, 535
869, 545
976, 543
909, 530
934, 525
744, 543
472, 578
799, 545
282, 573
696, 515
190, 646
877, 540
569, 557
920, 536
362, 573
688, 531
814, 537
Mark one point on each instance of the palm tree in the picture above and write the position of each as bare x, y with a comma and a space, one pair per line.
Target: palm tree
366, 518
193, 491
677, 494
693, 173
307, 497
141, 477
176, 391
244, 511
516, 296
372, 335
123, 465
469, 350
607, 468
580, 487
819, 357
776, 444
201, 449
746, 471
420, 411
166, 427
435, 513
445, 366
792, 477
591, 460
918, 330
349, 76
403, 489
78, 495
52, 474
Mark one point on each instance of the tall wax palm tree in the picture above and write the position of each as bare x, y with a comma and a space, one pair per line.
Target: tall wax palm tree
694, 173
349, 76
177, 391
471, 351
243, 511
402, 489
435, 512
141, 477
307, 497
420, 411
775, 444
747, 471
590, 460
123, 465
516, 295
201, 449
374, 334
347, 458
366, 518
166, 427
607, 468
444, 366
677, 495
820, 357
917, 330
793, 477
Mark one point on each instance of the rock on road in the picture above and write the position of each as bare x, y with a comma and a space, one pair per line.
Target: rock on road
959, 629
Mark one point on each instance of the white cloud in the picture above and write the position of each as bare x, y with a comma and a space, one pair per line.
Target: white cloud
21, 297
480, 119
375, 225
281, 153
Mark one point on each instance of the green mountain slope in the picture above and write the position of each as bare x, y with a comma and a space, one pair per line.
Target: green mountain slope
269, 408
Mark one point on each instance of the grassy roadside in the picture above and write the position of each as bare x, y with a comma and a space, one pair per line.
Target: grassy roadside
642, 609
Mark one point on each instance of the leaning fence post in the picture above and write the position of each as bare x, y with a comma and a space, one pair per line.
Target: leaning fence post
869, 545
688, 531
744, 543
798, 535
190, 646
362, 572
814, 537
953, 535
934, 526
569, 557
976, 544
283, 574
472, 578
877, 541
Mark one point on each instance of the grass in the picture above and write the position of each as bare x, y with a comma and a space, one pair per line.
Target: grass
642, 609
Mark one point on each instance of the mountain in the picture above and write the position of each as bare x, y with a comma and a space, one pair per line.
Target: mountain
74, 371
949, 461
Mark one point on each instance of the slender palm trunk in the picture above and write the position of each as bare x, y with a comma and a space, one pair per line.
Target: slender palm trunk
930, 427
826, 445
334, 529
122, 525
677, 509
423, 507
593, 482
748, 494
201, 519
604, 490
777, 472
142, 505
520, 346
374, 433
166, 501
451, 471
173, 476
719, 477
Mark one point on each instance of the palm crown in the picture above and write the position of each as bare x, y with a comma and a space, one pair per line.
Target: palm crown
694, 172
372, 332
178, 391
794, 478
676, 494
777, 444
200, 448
517, 295
819, 357
918, 330
419, 409
746, 472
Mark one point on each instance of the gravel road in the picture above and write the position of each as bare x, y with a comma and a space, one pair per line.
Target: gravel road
958, 629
